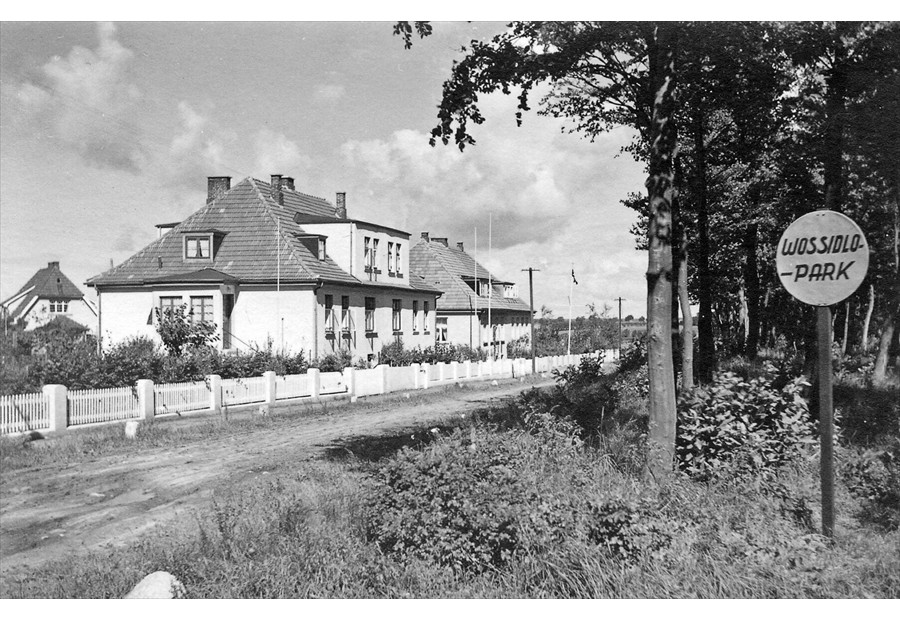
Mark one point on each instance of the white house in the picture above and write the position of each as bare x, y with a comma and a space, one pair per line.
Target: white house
469, 295
266, 263
49, 295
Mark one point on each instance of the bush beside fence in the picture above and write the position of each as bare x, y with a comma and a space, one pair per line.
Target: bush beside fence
57, 408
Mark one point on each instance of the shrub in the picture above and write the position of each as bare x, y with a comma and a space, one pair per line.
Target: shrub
333, 362
395, 354
457, 508
734, 426
873, 476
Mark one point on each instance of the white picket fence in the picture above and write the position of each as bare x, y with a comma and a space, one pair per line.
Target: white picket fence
292, 386
243, 391
105, 405
23, 412
60, 408
171, 398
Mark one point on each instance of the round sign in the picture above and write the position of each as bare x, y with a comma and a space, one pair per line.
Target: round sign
822, 258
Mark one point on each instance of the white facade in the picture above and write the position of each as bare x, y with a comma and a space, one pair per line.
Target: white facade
293, 319
45, 310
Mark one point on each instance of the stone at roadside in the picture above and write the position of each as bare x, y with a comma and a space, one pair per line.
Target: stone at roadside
158, 585
131, 428
494, 382
264, 410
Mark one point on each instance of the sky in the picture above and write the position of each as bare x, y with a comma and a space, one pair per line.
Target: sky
110, 128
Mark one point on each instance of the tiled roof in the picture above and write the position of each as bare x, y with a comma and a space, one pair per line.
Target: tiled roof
253, 232
446, 268
49, 283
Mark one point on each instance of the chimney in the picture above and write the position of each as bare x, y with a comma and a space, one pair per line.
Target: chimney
340, 199
216, 186
425, 236
287, 183
53, 265
277, 193
459, 246
441, 240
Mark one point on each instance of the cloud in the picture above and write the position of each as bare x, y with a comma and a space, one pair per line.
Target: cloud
553, 200
329, 92
85, 101
276, 154
198, 150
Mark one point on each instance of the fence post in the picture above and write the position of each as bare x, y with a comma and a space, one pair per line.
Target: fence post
426, 375
271, 386
416, 369
57, 407
350, 380
146, 400
215, 393
454, 370
383, 379
313, 378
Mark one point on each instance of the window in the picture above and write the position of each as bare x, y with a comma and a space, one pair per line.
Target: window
440, 329
345, 313
167, 305
201, 309
367, 259
321, 249
416, 317
425, 311
390, 257
329, 314
197, 246
397, 263
58, 306
374, 253
396, 320
370, 314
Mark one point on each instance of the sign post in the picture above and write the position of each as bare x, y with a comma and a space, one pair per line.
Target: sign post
821, 259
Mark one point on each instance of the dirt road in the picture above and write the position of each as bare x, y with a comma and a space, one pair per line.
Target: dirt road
49, 512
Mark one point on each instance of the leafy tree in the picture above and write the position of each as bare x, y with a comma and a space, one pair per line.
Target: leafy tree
178, 331
628, 74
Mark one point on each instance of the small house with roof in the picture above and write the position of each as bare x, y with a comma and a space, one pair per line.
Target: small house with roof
49, 295
470, 294
268, 264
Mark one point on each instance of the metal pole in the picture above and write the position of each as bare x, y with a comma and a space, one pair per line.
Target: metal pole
826, 430
620, 327
571, 282
530, 271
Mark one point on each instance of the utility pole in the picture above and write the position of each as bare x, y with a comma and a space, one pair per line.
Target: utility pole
531, 271
620, 300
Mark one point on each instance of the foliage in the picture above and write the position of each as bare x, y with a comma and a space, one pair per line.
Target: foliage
178, 331
873, 476
395, 354
740, 427
333, 362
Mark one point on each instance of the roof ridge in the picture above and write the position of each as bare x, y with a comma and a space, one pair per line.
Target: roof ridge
294, 191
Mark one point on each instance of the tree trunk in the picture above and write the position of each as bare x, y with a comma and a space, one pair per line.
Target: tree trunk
706, 346
846, 328
687, 331
660, 190
751, 280
864, 341
743, 319
884, 348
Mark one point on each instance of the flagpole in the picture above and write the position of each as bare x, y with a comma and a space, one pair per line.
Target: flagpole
571, 282
490, 287
477, 291
278, 278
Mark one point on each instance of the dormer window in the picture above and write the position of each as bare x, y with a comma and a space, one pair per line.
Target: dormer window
198, 247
